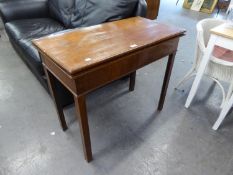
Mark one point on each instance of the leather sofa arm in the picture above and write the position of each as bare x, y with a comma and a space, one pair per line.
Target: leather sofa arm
23, 9
141, 9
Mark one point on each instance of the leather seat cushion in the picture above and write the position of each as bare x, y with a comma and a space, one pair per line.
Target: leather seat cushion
32, 28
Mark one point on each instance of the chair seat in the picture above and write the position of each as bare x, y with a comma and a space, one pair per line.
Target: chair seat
222, 56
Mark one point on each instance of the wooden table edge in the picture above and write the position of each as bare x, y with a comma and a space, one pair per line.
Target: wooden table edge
86, 68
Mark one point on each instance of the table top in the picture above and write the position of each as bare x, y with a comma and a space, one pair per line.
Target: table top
224, 30
80, 49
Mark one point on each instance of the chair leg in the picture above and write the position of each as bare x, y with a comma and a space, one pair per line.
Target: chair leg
230, 91
200, 71
189, 75
195, 85
192, 71
223, 91
227, 106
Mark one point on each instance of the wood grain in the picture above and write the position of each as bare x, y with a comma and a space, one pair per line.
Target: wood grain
115, 50
152, 8
81, 49
81, 112
223, 30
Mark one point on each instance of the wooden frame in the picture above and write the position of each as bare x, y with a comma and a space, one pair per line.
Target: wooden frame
152, 8
207, 7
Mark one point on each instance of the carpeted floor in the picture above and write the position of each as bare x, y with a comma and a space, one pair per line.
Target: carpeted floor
128, 135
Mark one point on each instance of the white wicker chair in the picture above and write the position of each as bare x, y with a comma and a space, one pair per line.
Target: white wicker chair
230, 6
217, 69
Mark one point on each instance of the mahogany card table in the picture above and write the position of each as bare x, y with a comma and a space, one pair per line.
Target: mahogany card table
85, 59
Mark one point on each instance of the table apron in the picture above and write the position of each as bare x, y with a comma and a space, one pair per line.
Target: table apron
93, 78
224, 42
101, 75
59, 73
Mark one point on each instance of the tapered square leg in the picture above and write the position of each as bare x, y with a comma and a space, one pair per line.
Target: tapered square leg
80, 107
132, 80
53, 92
167, 76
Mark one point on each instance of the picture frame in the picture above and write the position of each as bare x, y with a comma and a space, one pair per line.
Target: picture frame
197, 4
207, 7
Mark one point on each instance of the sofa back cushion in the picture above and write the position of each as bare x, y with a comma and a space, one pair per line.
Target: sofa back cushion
82, 13
91, 12
61, 10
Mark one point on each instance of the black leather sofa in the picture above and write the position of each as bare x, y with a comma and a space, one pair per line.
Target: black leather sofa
25, 20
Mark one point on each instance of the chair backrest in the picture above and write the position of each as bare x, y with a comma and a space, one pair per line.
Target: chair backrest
203, 31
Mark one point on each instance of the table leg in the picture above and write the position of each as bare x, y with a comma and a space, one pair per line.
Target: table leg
132, 77
80, 107
167, 76
53, 92
201, 70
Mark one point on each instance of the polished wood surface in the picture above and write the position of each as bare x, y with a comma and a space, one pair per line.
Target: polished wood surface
152, 8
81, 111
167, 76
84, 48
54, 94
64, 55
132, 81
224, 30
